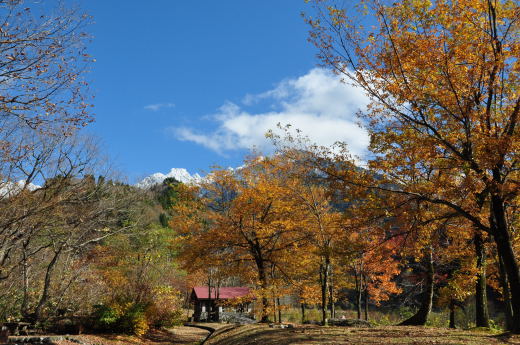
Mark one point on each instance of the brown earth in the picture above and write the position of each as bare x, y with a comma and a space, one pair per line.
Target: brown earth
392, 335
177, 335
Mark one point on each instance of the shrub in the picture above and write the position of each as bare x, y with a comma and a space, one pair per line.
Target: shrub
104, 317
125, 318
133, 320
165, 311
162, 309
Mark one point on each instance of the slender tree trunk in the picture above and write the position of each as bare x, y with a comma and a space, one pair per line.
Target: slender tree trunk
452, 314
274, 310
208, 311
366, 300
279, 310
324, 280
25, 273
506, 252
481, 306
421, 317
302, 305
46, 285
358, 296
508, 310
331, 298
217, 299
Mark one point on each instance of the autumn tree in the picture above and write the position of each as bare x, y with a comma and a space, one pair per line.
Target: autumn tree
46, 231
239, 220
321, 223
443, 78
373, 264
43, 61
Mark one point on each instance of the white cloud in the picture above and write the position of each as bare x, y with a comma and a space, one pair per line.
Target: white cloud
317, 103
158, 106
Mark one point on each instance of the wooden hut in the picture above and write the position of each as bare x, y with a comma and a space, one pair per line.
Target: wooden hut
210, 302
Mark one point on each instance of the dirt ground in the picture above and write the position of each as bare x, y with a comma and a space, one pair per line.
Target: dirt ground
313, 335
178, 335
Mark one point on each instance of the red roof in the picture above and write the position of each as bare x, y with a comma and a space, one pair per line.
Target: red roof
201, 292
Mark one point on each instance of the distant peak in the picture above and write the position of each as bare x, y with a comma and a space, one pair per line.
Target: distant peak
179, 174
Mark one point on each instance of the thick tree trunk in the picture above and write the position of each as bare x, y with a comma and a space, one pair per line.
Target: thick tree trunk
481, 306
421, 317
302, 305
508, 310
452, 314
506, 252
263, 283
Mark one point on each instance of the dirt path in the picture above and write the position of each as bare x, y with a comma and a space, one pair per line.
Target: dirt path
314, 335
180, 335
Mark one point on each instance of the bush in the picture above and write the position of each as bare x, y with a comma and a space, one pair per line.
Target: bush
165, 311
133, 320
125, 318
104, 317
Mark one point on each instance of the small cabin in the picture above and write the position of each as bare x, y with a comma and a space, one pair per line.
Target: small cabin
210, 303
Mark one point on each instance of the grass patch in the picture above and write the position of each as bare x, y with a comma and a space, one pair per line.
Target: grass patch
388, 335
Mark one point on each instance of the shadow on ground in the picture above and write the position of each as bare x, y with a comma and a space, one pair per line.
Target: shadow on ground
313, 335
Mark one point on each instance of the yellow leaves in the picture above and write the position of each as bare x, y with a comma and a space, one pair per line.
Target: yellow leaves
338, 16
460, 286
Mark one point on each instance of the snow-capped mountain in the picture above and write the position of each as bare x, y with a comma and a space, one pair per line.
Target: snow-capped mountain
180, 174
9, 188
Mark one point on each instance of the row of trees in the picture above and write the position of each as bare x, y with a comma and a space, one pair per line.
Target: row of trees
439, 193
444, 82
284, 226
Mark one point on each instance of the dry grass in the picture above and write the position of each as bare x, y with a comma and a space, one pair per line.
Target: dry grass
313, 335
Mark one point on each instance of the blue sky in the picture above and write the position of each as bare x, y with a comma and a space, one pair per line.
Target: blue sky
189, 84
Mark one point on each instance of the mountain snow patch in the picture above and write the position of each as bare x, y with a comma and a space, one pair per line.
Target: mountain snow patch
9, 188
180, 174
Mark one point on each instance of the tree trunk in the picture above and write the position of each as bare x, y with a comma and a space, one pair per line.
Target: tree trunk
25, 273
421, 317
274, 310
366, 300
506, 252
217, 300
358, 296
263, 283
508, 310
324, 280
481, 306
279, 310
46, 286
332, 307
302, 305
452, 314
